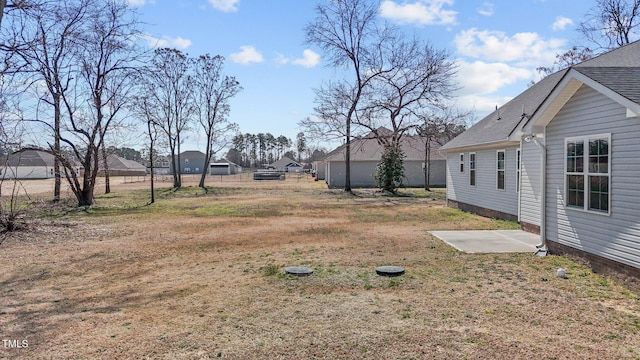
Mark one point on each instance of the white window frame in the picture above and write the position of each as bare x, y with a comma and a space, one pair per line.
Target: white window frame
503, 170
472, 169
461, 162
587, 173
518, 165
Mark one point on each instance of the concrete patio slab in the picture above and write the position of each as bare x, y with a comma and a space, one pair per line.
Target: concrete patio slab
490, 241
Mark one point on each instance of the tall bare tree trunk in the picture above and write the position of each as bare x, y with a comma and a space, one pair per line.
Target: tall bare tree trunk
107, 185
151, 140
57, 149
427, 163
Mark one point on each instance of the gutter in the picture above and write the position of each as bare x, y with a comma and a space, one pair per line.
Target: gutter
542, 247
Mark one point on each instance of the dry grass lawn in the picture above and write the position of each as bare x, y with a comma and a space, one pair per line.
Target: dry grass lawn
200, 275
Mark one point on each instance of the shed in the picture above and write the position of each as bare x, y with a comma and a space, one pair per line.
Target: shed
224, 167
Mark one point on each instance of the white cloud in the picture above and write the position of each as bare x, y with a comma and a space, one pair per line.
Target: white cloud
167, 42
422, 12
140, 2
225, 5
561, 23
309, 59
486, 9
479, 78
525, 49
481, 105
247, 55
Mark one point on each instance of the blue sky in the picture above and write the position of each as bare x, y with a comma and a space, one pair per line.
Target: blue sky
497, 45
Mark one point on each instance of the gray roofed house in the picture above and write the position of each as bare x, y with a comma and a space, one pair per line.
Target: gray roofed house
28, 164
366, 153
286, 164
119, 166
562, 159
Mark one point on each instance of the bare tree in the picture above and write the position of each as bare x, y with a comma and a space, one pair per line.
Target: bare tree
108, 60
612, 23
81, 51
15, 5
43, 40
332, 103
301, 145
437, 129
569, 58
170, 88
212, 95
143, 108
345, 30
414, 76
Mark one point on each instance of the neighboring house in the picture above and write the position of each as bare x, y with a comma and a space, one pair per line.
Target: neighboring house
224, 167
28, 164
119, 166
366, 153
191, 162
285, 164
162, 165
561, 158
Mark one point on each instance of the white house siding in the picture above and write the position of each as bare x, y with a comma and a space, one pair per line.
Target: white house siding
531, 187
485, 194
362, 173
616, 236
26, 172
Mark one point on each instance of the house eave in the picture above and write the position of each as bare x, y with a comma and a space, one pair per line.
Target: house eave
483, 146
564, 91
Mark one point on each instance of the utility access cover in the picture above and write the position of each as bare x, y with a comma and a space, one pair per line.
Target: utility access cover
389, 270
298, 270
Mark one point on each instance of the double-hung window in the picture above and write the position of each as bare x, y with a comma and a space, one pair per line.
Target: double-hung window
500, 166
588, 173
461, 162
472, 169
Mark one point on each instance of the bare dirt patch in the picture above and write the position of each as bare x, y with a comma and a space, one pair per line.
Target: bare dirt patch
199, 276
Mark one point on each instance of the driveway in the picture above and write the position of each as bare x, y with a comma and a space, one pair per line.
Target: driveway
490, 241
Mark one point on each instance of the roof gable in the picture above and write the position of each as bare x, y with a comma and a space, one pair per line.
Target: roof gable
192, 154
515, 114
501, 124
618, 83
30, 158
285, 162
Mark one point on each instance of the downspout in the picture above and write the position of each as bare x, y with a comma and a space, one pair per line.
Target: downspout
542, 247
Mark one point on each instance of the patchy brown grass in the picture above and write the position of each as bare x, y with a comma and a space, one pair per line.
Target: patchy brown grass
200, 275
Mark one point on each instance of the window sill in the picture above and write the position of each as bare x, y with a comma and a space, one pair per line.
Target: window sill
582, 210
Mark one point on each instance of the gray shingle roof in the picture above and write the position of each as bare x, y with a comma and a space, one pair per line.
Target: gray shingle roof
622, 80
117, 163
368, 149
490, 130
30, 158
498, 125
